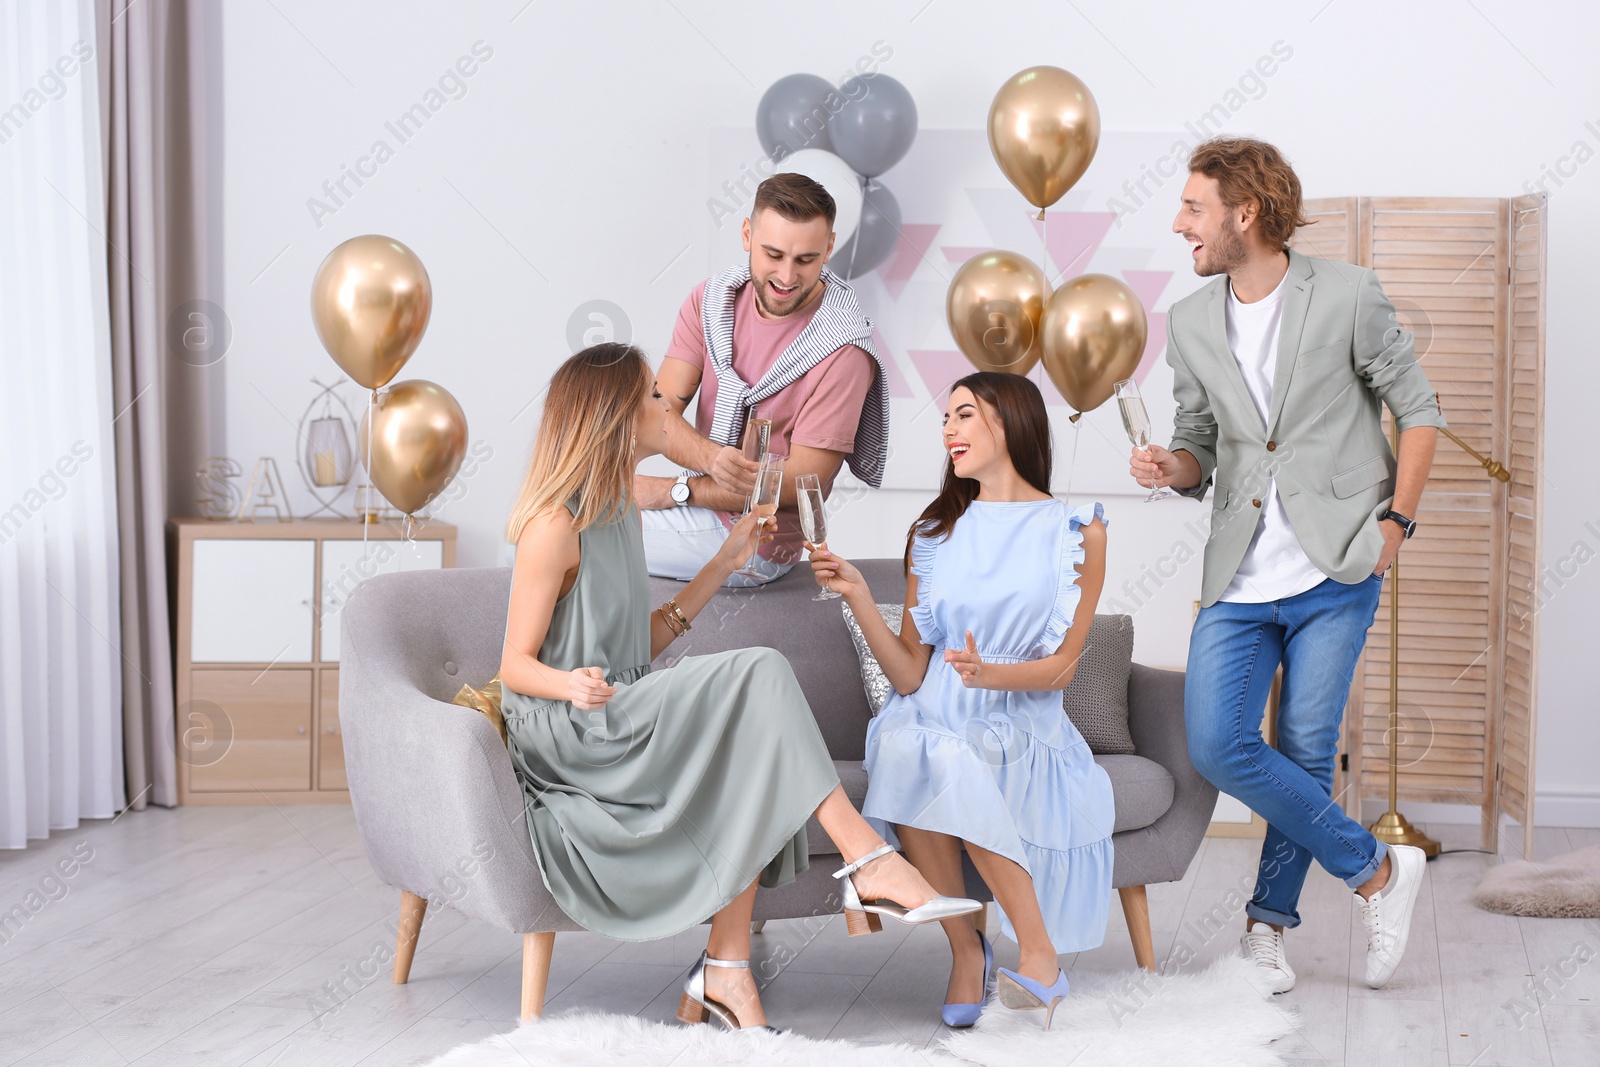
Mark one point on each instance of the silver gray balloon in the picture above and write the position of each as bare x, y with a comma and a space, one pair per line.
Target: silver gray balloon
793, 114
876, 126
876, 234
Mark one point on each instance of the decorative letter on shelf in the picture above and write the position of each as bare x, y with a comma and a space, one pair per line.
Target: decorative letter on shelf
266, 491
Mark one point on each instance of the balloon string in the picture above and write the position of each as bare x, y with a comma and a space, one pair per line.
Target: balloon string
1072, 466
1044, 250
364, 509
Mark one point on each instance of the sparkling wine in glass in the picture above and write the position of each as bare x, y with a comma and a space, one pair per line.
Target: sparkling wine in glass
757, 440
813, 521
1136, 420
757, 437
764, 502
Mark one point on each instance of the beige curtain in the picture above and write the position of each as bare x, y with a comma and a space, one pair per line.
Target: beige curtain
160, 116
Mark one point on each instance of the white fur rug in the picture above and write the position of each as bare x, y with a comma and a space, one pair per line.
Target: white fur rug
1567, 887
1215, 1018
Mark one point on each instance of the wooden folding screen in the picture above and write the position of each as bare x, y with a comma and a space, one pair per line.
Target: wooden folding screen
1466, 276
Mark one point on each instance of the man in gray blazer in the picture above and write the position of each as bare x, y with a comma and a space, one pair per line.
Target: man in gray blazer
1279, 367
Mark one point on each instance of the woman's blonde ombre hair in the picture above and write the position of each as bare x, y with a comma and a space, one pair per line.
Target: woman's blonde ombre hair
584, 448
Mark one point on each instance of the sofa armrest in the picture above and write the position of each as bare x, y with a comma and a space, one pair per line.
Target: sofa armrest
1155, 719
435, 797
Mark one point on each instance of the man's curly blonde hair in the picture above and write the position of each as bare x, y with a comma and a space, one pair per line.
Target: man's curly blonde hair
1248, 171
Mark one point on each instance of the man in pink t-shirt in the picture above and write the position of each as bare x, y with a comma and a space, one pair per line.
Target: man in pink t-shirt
815, 418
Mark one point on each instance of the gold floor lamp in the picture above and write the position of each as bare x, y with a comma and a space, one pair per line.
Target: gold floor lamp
1393, 828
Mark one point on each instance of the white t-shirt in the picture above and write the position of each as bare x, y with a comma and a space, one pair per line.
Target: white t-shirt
1274, 566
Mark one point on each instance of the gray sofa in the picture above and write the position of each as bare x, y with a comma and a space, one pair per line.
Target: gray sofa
441, 815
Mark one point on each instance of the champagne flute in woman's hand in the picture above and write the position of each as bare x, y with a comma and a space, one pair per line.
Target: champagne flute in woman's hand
1136, 420
813, 522
764, 502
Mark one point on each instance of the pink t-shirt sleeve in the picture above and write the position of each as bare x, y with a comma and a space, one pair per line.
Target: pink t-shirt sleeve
688, 339
832, 413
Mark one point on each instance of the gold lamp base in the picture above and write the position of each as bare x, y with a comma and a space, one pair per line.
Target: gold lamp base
1392, 828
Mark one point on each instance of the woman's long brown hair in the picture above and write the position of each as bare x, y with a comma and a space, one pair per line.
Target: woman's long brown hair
1018, 404
584, 447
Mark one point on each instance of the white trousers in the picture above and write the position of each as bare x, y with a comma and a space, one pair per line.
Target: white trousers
680, 541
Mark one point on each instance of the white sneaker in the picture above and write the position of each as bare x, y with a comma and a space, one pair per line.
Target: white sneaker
1263, 946
1387, 916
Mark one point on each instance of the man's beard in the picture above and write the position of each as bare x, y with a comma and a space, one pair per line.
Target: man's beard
795, 302
1222, 256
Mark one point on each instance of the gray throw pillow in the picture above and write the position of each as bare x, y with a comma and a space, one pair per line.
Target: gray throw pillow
873, 679
1096, 700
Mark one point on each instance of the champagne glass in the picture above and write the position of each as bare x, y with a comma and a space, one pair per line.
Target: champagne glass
757, 441
764, 502
1136, 421
757, 437
808, 496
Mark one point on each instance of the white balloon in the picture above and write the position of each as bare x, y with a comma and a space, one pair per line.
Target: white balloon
842, 183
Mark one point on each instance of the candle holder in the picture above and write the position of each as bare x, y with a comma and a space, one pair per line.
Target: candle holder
325, 457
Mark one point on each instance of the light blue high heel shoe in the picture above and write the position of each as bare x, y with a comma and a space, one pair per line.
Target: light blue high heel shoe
1022, 993
961, 1016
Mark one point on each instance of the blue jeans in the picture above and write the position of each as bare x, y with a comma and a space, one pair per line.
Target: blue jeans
1317, 636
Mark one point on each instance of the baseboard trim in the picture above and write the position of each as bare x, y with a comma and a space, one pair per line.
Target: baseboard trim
1419, 812
1551, 807
1567, 807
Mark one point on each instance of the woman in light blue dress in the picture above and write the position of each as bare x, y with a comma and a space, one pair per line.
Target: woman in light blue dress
973, 749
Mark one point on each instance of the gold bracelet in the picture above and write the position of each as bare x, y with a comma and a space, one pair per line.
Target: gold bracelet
672, 623
682, 618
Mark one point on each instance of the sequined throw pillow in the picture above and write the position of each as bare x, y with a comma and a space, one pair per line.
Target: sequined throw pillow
873, 679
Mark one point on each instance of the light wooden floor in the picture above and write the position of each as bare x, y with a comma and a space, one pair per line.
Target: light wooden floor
260, 936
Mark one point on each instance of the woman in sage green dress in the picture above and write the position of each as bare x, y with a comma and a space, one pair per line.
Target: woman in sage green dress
658, 800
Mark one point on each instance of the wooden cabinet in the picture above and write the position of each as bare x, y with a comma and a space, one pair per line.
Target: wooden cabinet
252, 601
257, 650
330, 743
267, 739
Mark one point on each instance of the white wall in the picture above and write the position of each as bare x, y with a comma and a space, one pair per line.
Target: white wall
575, 167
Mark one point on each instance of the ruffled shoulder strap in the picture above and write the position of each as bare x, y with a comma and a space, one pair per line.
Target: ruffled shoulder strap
924, 554
1068, 592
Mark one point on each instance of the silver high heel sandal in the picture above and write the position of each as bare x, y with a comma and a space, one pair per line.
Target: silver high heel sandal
696, 1007
861, 916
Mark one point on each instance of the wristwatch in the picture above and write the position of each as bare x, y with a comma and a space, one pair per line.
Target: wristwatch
1408, 525
680, 490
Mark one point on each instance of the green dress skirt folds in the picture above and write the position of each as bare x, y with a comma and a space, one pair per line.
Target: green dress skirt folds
650, 814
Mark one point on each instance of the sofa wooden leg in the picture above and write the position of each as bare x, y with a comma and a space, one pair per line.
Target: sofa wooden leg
412, 908
1136, 909
536, 950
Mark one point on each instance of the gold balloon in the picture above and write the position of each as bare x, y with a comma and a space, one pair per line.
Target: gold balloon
1044, 127
370, 302
418, 437
993, 308
1093, 332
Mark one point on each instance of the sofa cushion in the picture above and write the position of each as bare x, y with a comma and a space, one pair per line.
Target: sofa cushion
854, 780
1141, 789
1096, 700
810, 634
